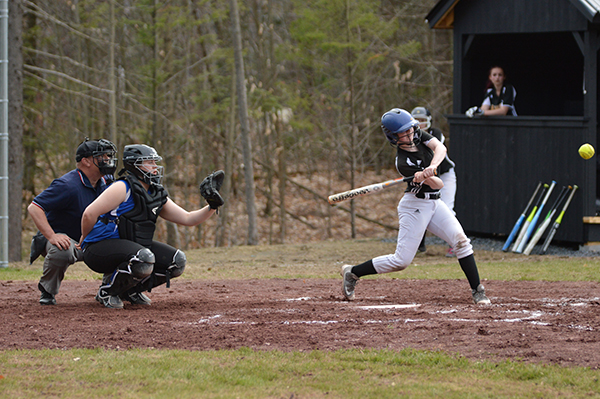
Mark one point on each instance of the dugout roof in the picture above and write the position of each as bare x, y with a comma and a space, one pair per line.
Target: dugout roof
442, 15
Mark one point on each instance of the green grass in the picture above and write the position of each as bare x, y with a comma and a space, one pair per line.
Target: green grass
247, 373
23, 271
551, 269
323, 260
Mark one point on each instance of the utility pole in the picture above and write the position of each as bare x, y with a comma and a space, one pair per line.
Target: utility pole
3, 133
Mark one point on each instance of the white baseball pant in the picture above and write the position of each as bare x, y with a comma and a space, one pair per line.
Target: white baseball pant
448, 192
416, 215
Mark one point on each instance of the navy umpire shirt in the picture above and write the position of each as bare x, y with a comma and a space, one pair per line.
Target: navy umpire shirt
65, 200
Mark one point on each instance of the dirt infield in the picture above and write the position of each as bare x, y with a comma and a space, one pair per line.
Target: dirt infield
547, 322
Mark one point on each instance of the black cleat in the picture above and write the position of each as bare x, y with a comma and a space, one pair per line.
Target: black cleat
136, 298
46, 298
110, 301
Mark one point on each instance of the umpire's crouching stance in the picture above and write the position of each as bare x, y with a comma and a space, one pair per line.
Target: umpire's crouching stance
118, 228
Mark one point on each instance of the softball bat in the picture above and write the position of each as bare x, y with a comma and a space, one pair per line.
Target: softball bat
366, 190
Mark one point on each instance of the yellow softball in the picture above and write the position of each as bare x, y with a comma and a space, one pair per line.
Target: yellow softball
586, 151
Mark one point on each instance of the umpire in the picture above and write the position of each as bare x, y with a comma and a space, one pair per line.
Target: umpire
57, 211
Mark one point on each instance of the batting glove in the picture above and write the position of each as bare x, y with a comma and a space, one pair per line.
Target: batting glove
474, 111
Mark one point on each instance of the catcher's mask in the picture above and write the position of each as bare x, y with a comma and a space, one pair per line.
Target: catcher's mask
103, 151
134, 156
423, 115
397, 121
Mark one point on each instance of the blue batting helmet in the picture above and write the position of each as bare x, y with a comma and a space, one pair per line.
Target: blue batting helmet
396, 121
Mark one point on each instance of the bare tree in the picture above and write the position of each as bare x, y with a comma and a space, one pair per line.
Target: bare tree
228, 183
112, 78
15, 127
351, 118
244, 125
337, 64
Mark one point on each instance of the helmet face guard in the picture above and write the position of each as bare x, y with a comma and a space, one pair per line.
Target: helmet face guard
153, 176
134, 157
105, 157
422, 113
397, 121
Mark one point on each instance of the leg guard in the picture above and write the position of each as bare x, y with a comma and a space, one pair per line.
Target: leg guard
178, 266
175, 269
140, 267
142, 264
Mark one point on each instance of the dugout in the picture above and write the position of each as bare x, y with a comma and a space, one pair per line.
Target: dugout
549, 50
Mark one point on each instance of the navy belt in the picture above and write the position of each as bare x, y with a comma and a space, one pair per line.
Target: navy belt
432, 196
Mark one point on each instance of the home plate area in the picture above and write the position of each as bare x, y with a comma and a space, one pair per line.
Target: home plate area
532, 321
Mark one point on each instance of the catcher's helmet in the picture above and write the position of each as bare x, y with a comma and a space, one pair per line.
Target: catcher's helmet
397, 121
133, 157
103, 151
422, 113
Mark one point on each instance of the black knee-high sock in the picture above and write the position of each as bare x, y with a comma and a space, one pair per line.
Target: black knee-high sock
469, 267
364, 269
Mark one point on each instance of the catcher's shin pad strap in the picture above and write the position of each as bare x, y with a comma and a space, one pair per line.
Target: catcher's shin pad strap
118, 282
163, 276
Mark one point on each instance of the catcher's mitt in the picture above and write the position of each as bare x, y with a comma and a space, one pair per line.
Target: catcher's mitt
209, 189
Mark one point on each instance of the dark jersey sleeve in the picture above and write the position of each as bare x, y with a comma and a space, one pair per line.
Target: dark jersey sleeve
446, 163
437, 133
508, 96
58, 196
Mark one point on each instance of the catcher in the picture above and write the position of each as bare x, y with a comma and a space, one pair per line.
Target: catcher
118, 228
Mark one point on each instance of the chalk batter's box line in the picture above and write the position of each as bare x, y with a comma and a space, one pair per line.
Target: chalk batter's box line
405, 306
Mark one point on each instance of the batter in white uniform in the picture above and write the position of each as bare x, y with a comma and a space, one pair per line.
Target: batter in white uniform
418, 154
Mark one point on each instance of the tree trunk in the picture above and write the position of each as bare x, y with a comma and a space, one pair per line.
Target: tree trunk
244, 125
226, 190
15, 127
282, 164
30, 169
352, 123
111, 76
154, 131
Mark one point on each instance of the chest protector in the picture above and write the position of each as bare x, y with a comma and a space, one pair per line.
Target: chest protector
139, 223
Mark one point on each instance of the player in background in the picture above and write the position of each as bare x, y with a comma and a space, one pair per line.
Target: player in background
499, 96
419, 154
445, 170
117, 230
57, 211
